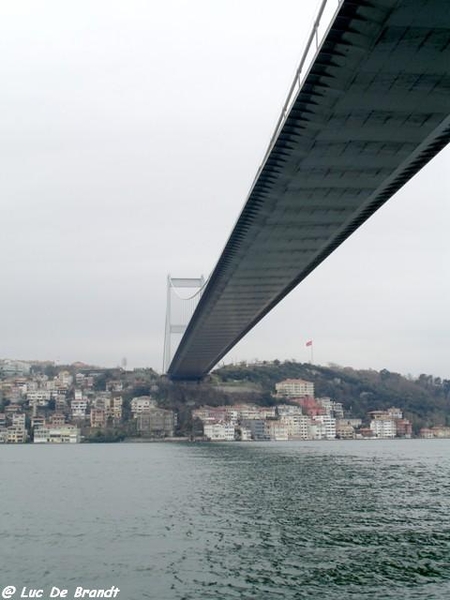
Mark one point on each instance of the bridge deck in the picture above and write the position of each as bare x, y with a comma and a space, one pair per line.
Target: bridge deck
372, 111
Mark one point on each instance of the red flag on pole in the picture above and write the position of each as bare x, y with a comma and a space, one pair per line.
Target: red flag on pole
309, 343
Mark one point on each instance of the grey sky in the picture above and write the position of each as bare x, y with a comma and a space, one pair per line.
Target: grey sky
130, 133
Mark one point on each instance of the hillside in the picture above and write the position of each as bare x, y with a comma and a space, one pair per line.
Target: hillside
424, 400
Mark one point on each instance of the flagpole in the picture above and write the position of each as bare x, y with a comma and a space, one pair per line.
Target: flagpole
310, 344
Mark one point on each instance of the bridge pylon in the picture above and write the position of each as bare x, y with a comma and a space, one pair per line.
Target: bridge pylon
179, 310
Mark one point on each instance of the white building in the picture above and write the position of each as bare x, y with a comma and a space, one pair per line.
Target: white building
60, 402
65, 378
64, 434
295, 388
267, 412
142, 404
298, 426
232, 415
383, 428
79, 379
248, 411
79, 408
18, 420
113, 407
224, 432
257, 427
51, 385
246, 434
325, 427
334, 409
344, 430
276, 430
288, 409
16, 435
39, 397
394, 413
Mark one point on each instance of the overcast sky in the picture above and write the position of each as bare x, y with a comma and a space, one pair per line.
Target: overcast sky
130, 133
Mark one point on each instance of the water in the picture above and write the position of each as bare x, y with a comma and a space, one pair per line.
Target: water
328, 520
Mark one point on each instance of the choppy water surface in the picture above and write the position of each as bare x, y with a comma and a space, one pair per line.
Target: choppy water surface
326, 520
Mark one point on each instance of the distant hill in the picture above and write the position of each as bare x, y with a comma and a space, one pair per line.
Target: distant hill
425, 400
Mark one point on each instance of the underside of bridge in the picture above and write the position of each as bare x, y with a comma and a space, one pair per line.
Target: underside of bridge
372, 110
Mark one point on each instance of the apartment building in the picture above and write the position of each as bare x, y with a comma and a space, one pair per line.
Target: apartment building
156, 422
294, 388
142, 404
64, 434
219, 432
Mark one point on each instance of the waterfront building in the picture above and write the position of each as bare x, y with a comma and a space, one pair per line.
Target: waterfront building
276, 430
404, 428
344, 430
390, 423
426, 433
64, 434
298, 426
257, 428
156, 422
219, 431
383, 427
246, 434
325, 427
16, 435
440, 431
364, 433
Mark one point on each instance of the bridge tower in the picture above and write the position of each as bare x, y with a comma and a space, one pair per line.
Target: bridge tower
179, 310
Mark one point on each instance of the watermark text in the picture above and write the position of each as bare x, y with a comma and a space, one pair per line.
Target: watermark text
11, 591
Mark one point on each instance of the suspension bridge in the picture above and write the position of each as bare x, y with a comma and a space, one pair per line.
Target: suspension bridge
364, 114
